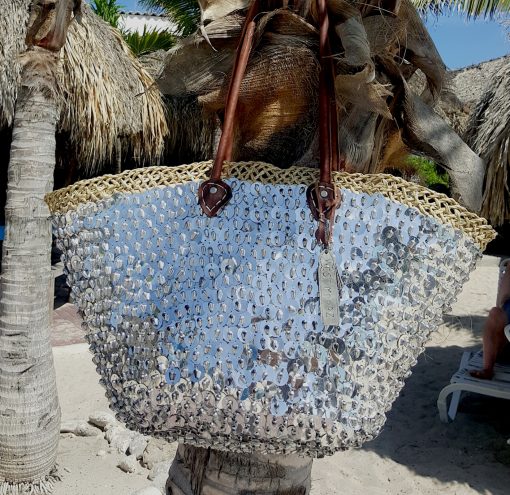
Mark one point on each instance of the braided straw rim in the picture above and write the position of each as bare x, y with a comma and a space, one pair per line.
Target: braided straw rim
430, 203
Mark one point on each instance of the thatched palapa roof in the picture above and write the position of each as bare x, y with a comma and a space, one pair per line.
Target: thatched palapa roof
12, 41
463, 90
111, 108
471, 82
488, 134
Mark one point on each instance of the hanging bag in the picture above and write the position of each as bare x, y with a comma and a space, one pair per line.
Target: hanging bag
250, 308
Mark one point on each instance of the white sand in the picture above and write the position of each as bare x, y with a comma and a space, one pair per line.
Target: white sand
415, 454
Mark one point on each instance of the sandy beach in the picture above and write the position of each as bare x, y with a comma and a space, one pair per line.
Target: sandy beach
415, 453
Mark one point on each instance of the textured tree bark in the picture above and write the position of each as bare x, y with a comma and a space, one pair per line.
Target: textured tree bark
197, 471
29, 409
426, 131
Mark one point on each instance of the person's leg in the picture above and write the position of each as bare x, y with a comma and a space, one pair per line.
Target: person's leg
494, 341
504, 287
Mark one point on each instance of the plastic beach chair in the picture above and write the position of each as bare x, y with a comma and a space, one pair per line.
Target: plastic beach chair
462, 381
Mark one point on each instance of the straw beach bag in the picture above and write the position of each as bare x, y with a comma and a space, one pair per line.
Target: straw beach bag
250, 308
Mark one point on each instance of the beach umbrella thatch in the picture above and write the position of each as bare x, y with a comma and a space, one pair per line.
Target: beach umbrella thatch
111, 109
13, 23
488, 134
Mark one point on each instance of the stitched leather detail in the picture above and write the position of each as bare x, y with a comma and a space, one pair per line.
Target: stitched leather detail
322, 197
213, 195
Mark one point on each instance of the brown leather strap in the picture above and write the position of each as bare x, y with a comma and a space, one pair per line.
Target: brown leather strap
224, 151
325, 133
336, 163
322, 197
214, 194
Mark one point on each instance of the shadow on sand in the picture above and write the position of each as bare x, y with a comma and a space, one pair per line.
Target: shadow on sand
473, 449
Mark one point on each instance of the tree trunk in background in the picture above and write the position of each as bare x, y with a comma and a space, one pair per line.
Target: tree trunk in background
427, 132
29, 409
197, 471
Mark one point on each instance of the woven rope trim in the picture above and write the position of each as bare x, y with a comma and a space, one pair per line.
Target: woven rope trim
430, 203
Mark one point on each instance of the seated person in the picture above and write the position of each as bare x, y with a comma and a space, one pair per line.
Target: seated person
494, 339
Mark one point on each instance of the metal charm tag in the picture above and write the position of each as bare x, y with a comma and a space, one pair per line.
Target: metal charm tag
328, 289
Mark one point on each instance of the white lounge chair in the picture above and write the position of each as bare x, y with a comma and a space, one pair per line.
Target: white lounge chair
462, 381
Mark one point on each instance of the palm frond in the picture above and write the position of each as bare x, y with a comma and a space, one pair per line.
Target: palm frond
185, 13
108, 10
471, 8
149, 41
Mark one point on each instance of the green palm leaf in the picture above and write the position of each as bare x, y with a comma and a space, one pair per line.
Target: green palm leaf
108, 10
472, 8
185, 13
149, 41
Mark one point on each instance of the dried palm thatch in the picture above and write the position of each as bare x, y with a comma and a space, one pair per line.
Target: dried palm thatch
488, 133
111, 109
13, 24
378, 45
115, 107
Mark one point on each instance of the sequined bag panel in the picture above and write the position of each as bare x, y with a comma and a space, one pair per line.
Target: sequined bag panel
207, 330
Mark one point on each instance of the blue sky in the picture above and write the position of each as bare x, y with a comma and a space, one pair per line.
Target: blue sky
459, 41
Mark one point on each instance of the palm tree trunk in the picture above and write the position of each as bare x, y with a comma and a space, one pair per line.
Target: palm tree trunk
197, 471
427, 132
29, 409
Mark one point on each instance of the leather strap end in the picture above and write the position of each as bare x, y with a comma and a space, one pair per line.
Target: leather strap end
213, 195
322, 197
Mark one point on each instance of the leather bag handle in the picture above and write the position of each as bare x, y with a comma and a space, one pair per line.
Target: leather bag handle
214, 193
322, 197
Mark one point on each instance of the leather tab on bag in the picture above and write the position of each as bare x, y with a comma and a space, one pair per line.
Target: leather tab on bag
322, 197
213, 195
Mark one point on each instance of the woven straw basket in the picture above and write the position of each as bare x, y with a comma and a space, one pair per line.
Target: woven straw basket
208, 330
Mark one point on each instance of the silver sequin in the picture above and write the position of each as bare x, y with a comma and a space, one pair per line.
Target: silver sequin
207, 330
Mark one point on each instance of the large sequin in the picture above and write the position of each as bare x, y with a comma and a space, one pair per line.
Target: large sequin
207, 330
